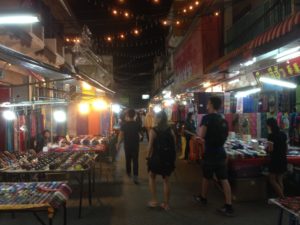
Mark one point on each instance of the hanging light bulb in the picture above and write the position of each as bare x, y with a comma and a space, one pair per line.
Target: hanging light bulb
216, 13
115, 12
136, 32
122, 36
126, 14
9, 115
177, 22
191, 7
184, 10
197, 3
84, 108
86, 86
109, 38
165, 22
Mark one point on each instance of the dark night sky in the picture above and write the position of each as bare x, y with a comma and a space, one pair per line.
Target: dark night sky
133, 57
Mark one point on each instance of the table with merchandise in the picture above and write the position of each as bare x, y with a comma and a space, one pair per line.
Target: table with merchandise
290, 205
30, 166
35, 197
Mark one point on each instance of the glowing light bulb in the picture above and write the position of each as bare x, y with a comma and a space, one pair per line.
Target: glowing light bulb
84, 108
115, 12
100, 104
197, 2
177, 22
217, 13
86, 86
165, 22
184, 10
191, 7
126, 14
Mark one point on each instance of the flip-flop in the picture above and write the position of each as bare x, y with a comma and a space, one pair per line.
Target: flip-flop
152, 204
164, 206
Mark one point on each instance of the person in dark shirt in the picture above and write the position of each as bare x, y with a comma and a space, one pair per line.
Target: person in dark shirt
189, 131
130, 134
213, 134
43, 140
277, 147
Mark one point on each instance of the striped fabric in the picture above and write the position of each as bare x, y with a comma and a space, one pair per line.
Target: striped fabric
276, 31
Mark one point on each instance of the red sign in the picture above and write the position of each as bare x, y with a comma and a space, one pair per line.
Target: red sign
188, 59
281, 71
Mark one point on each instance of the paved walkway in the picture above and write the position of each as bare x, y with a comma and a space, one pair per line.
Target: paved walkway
118, 201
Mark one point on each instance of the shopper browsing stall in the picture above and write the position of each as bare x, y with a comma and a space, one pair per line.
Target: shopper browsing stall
213, 134
43, 140
277, 147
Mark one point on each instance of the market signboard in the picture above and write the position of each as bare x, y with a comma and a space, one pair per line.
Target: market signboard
280, 71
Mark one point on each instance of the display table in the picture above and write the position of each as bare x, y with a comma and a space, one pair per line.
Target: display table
25, 167
35, 197
290, 205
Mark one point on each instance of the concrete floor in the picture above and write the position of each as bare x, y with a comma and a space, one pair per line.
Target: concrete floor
118, 201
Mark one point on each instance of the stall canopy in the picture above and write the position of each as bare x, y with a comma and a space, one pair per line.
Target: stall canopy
276, 36
16, 58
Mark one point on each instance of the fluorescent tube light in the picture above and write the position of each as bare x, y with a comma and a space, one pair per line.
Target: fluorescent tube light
288, 57
277, 82
249, 63
287, 52
248, 92
18, 19
234, 81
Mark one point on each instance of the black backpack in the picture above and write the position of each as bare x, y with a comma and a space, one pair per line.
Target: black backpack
217, 132
164, 153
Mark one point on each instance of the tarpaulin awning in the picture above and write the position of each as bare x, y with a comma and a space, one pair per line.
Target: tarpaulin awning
246, 51
17, 58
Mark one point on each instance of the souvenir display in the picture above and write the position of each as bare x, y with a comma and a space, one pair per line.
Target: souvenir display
42, 193
45, 161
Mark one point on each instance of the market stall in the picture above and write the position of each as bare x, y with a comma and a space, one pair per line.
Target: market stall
35, 197
31, 166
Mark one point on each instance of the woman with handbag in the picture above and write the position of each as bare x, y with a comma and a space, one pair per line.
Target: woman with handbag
161, 158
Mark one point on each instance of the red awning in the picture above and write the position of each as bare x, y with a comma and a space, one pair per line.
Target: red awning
245, 51
276, 31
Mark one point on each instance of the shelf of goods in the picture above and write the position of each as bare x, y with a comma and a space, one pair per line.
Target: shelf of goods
35, 197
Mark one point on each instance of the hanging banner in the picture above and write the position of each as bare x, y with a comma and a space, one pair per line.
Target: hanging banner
280, 71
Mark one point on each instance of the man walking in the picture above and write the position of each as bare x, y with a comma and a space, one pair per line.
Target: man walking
213, 134
130, 134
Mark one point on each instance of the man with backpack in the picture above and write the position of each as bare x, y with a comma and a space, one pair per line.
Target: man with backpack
213, 135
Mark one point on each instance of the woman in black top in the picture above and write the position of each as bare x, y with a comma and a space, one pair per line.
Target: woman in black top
161, 158
277, 147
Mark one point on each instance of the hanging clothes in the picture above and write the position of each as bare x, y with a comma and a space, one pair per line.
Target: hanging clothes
94, 123
82, 125
9, 136
22, 138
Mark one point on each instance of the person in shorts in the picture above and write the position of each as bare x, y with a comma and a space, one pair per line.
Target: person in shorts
213, 134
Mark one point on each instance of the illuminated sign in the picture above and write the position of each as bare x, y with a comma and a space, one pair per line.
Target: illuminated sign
280, 71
